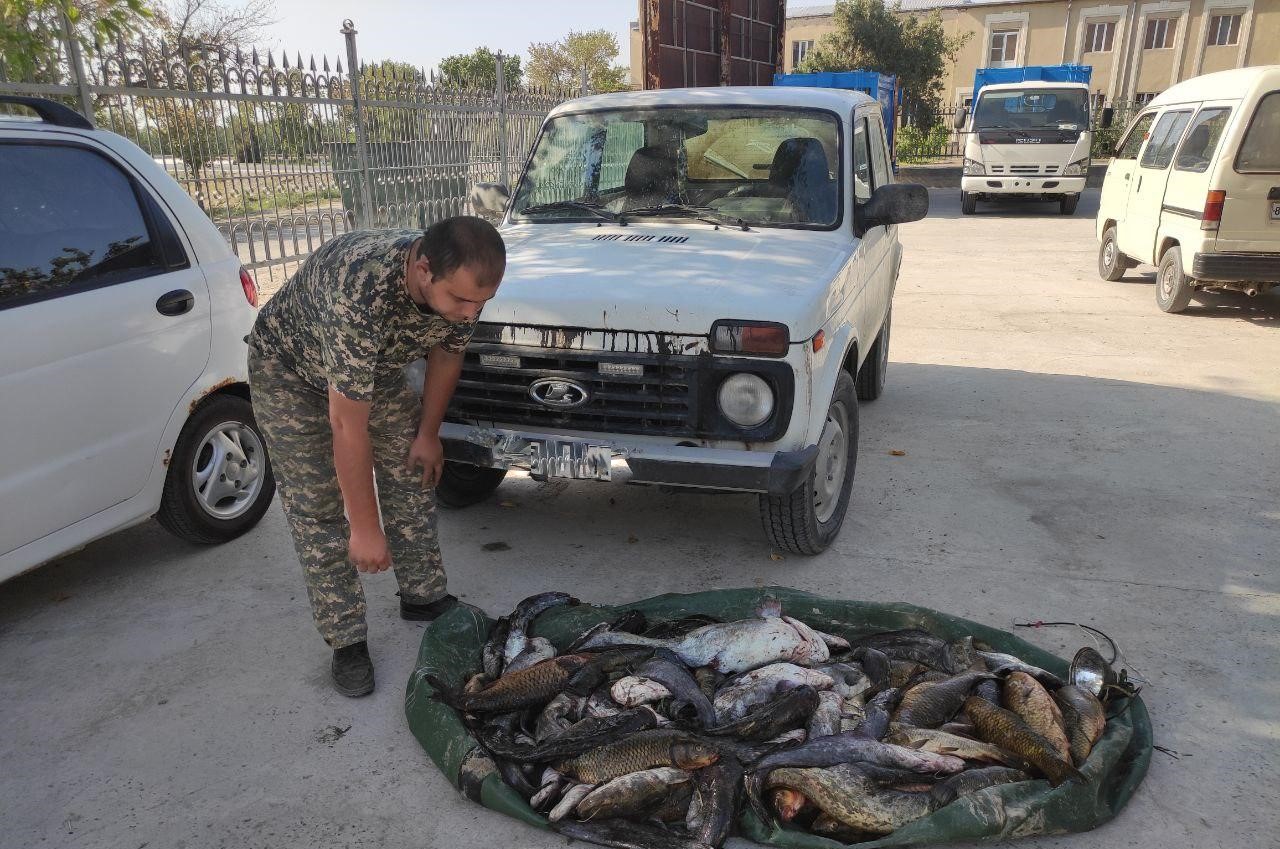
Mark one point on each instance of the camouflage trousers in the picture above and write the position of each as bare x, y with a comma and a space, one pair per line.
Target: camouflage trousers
294, 418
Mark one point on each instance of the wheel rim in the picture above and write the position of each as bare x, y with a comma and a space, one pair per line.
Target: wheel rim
1167, 282
227, 473
1109, 253
833, 458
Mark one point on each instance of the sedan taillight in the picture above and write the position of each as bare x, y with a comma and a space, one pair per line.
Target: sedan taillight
249, 286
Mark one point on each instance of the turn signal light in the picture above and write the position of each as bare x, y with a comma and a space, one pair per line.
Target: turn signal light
761, 338
249, 286
1213, 204
819, 339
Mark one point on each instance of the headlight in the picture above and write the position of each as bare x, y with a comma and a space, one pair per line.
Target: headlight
1079, 168
973, 168
746, 400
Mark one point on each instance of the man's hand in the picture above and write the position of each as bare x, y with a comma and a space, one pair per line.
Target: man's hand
427, 452
369, 551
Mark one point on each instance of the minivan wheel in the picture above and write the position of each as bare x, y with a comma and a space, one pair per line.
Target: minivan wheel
968, 202
462, 484
807, 519
1067, 204
1111, 263
870, 382
1173, 289
219, 482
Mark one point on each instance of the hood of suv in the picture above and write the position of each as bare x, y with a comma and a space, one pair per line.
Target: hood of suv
671, 279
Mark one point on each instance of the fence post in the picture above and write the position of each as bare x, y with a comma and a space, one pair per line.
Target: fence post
504, 164
77, 68
362, 141
586, 81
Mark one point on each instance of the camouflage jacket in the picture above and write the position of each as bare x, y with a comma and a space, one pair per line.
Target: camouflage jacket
345, 319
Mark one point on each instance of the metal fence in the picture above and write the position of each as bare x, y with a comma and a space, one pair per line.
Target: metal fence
284, 153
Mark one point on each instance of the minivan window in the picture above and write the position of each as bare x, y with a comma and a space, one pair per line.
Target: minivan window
1260, 149
1164, 138
69, 220
1132, 143
1202, 140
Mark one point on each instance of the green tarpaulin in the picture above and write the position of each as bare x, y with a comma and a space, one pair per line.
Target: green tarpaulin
451, 650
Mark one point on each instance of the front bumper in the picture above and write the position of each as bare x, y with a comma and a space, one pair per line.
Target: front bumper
1004, 184
1236, 267
688, 466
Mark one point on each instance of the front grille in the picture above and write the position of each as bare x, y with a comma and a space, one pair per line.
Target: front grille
661, 401
1025, 170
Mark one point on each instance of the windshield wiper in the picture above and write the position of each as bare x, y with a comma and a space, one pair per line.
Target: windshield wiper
702, 213
576, 205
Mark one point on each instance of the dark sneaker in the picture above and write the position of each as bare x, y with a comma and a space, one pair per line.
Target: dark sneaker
425, 612
353, 670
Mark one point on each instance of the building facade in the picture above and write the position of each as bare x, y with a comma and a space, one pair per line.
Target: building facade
1137, 49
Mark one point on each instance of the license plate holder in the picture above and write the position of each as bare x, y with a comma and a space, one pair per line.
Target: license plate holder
555, 458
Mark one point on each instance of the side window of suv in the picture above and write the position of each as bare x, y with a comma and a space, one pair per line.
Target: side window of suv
1164, 138
1128, 149
71, 220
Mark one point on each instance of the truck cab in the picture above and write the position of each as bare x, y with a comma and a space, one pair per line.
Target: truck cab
698, 294
1029, 136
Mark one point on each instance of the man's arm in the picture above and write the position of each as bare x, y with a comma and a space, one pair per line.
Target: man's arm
353, 460
443, 370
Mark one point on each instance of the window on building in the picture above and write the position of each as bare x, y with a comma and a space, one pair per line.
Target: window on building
1003, 52
1160, 33
799, 50
1224, 30
1099, 38
1142, 98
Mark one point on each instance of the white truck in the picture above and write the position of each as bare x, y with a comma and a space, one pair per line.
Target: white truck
1029, 136
697, 296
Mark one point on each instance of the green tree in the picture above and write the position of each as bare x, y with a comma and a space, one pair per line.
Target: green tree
870, 36
559, 64
479, 69
31, 31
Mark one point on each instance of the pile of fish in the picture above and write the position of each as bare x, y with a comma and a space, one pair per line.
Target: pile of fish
657, 734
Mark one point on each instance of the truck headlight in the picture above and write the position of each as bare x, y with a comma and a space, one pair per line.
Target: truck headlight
974, 168
1079, 168
745, 399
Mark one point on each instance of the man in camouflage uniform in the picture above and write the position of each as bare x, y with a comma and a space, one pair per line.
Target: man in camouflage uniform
325, 366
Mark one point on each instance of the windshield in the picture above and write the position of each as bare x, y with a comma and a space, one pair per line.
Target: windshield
766, 167
1032, 109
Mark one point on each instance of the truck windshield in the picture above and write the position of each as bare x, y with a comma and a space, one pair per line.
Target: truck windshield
758, 166
1032, 109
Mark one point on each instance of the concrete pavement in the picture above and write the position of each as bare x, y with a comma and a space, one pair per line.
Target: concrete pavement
1071, 454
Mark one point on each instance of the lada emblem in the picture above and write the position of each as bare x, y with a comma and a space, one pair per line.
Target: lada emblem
559, 393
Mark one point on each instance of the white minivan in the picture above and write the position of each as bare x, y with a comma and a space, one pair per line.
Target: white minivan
123, 315
1194, 188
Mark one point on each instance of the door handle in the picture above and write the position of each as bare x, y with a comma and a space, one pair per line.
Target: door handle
176, 302
1139, 182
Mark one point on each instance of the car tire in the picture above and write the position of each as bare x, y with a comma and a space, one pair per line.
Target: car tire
1111, 263
205, 500
968, 202
807, 519
1067, 204
462, 484
870, 382
1173, 289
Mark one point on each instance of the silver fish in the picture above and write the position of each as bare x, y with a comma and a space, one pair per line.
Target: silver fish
733, 646
536, 650
633, 691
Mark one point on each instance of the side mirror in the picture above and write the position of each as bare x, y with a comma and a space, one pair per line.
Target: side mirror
895, 203
962, 115
1108, 115
490, 200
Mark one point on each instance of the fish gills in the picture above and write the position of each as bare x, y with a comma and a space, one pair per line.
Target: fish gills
1005, 729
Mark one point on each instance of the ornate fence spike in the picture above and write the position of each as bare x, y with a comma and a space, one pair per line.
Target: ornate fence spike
313, 63
325, 60
254, 58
